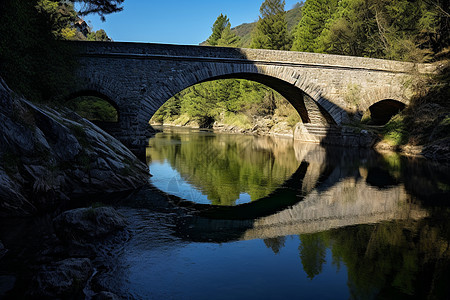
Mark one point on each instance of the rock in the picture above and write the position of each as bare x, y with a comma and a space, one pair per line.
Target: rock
47, 157
3, 250
438, 150
105, 296
13, 202
7, 283
88, 224
65, 278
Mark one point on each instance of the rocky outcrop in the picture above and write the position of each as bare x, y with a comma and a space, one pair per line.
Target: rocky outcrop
49, 157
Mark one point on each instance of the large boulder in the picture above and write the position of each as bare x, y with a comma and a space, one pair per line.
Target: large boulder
64, 279
83, 225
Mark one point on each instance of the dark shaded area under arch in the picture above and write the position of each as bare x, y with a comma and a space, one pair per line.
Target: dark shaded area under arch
382, 111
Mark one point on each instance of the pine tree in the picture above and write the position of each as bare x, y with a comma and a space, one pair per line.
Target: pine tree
271, 30
228, 38
219, 26
315, 15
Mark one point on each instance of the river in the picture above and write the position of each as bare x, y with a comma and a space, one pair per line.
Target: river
286, 220
247, 217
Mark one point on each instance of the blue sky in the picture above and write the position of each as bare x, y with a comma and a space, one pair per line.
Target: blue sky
175, 22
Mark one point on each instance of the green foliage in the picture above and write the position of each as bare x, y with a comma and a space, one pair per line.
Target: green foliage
100, 7
229, 101
228, 38
396, 131
219, 26
239, 120
271, 30
400, 29
33, 62
98, 36
315, 14
94, 109
80, 134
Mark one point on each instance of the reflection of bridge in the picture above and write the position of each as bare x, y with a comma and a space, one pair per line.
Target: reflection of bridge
343, 197
138, 78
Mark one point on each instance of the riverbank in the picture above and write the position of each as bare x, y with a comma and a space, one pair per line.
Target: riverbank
240, 124
52, 162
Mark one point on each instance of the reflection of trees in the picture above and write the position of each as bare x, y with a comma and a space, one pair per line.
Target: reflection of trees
312, 253
402, 259
276, 244
224, 166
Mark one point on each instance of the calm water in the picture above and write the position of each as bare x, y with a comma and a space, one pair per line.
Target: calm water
330, 224
289, 220
219, 169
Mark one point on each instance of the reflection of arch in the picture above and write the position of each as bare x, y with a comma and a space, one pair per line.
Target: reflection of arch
261, 207
288, 194
282, 79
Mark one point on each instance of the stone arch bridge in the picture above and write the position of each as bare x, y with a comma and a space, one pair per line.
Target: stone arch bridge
137, 78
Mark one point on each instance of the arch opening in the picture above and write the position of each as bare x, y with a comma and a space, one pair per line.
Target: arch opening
381, 112
95, 107
227, 101
309, 110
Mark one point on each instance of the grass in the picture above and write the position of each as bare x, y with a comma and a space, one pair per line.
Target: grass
396, 132
238, 120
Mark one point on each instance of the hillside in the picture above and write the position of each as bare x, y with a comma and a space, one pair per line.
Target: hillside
244, 30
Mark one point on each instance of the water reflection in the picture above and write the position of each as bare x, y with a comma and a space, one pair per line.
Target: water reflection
345, 224
219, 169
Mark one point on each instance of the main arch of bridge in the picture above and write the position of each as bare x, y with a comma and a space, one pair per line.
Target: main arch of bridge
139, 78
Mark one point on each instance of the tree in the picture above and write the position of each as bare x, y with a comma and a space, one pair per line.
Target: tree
32, 60
271, 30
100, 7
219, 26
99, 36
315, 15
228, 38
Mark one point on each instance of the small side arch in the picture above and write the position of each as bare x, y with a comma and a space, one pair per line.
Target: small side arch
383, 93
99, 86
382, 111
93, 93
